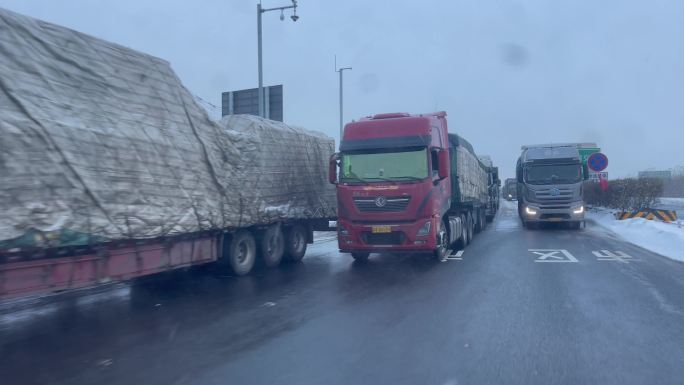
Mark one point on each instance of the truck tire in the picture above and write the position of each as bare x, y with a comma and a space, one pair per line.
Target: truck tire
272, 246
242, 252
483, 220
442, 249
471, 226
360, 256
478, 225
295, 243
462, 241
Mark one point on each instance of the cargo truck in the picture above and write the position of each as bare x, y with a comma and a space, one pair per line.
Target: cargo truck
549, 184
111, 171
510, 192
493, 187
406, 185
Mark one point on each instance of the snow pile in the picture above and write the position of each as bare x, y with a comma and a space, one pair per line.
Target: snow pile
666, 239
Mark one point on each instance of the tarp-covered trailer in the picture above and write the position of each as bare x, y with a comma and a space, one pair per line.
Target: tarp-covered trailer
469, 187
110, 170
493, 186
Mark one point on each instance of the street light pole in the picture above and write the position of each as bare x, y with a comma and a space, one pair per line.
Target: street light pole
260, 93
341, 70
260, 10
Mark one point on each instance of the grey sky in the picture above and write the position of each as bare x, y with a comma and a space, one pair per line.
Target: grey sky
507, 72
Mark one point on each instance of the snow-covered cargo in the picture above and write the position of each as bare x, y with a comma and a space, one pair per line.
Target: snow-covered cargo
100, 142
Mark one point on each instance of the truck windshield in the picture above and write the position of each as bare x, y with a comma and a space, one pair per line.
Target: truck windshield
555, 173
396, 166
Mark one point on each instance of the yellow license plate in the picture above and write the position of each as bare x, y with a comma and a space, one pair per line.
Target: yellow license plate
381, 229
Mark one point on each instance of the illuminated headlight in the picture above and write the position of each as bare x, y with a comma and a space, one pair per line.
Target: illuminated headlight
342, 230
510, 196
424, 229
530, 211
578, 210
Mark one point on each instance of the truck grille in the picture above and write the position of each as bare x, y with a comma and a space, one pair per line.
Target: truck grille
393, 238
390, 204
549, 196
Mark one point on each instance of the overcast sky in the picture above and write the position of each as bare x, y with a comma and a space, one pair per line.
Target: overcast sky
507, 72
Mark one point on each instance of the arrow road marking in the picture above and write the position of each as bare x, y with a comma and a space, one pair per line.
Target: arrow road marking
552, 255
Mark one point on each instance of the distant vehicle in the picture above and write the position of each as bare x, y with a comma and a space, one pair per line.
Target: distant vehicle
550, 181
405, 184
510, 189
493, 187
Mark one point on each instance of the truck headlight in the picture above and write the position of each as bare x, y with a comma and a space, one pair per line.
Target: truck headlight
530, 211
510, 196
578, 210
424, 229
342, 230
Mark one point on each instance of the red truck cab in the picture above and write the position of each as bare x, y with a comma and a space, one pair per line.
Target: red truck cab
393, 188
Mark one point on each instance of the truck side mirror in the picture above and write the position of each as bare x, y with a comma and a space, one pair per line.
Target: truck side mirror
585, 172
443, 170
332, 168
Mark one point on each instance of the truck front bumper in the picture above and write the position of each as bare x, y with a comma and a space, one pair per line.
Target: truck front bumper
536, 213
389, 236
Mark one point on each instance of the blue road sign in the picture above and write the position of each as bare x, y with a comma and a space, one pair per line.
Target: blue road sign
597, 162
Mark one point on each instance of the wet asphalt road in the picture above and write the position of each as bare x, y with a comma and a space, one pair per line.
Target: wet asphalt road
501, 314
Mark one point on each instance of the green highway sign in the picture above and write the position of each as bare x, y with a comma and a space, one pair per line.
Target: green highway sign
585, 152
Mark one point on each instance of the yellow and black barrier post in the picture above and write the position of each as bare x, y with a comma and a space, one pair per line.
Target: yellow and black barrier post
650, 214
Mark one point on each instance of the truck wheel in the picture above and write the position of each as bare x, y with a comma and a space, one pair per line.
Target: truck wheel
360, 256
295, 243
477, 221
462, 241
272, 246
471, 225
442, 249
242, 252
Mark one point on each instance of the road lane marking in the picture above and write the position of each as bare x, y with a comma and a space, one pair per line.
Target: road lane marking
552, 255
455, 257
617, 256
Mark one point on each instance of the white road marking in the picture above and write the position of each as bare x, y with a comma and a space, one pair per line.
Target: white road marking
551, 255
618, 256
455, 257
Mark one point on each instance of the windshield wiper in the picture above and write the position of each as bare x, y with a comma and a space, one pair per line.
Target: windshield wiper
408, 177
353, 178
380, 178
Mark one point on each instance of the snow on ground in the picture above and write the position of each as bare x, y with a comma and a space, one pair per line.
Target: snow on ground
666, 239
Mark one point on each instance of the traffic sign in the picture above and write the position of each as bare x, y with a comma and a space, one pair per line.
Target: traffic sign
597, 162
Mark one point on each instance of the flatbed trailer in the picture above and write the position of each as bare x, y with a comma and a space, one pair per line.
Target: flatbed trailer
40, 271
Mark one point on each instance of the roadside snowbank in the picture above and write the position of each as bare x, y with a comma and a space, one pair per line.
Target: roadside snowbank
666, 239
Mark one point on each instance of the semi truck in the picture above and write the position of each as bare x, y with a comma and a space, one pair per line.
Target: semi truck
406, 185
510, 189
111, 171
549, 184
493, 187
